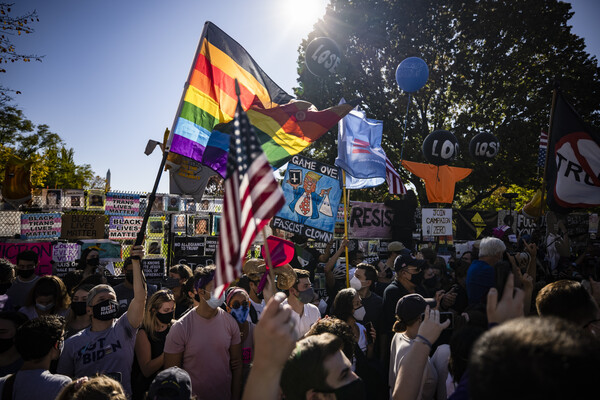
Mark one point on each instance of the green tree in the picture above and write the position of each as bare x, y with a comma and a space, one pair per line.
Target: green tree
492, 65
54, 165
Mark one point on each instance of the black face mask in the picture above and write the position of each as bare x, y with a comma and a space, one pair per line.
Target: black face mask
6, 344
354, 390
106, 310
25, 273
430, 282
93, 262
165, 318
129, 277
417, 278
79, 307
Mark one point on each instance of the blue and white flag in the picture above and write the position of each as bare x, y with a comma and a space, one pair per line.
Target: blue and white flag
359, 150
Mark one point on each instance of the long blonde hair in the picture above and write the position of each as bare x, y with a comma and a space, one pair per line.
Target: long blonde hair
154, 304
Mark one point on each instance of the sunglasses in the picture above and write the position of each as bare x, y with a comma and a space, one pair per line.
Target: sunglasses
236, 304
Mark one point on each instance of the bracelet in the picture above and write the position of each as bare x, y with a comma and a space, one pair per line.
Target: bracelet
424, 340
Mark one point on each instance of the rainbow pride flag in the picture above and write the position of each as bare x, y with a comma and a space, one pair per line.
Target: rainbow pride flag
285, 126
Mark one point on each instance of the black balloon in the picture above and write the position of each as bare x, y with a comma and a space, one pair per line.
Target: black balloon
322, 56
484, 146
440, 147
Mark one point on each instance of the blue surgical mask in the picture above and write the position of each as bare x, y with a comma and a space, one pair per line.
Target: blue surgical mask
44, 307
240, 314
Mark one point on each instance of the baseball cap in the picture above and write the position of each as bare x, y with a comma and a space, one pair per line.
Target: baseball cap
171, 383
97, 290
404, 261
411, 306
395, 246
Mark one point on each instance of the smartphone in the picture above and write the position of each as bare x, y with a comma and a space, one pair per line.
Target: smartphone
444, 316
369, 326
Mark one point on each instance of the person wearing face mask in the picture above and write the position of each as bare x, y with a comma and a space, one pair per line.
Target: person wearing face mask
48, 296
10, 359
39, 342
253, 270
236, 302
318, 369
206, 342
25, 270
409, 276
78, 319
107, 346
124, 290
89, 261
150, 342
299, 298
348, 307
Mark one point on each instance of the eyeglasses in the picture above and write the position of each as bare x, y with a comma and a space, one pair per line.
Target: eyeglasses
236, 304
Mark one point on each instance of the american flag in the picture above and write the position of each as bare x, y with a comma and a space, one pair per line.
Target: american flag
393, 178
542, 151
252, 197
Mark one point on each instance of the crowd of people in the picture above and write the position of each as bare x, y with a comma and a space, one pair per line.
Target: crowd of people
503, 320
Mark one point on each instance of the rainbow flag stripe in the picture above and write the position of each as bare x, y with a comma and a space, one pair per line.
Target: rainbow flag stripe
284, 126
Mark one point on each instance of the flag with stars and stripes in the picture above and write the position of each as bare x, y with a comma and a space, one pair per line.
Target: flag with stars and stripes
393, 178
542, 151
252, 197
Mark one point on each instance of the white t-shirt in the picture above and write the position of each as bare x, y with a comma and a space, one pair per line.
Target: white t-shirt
400, 345
310, 315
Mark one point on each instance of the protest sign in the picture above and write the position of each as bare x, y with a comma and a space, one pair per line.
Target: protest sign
190, 251
95, 199
73, 199
154, 268
474, 224
37, 226
64, 258
51, 199
124, 227
436, 221
370, 220
10, 251
82, 226
109, 250
155, 226
312, 195
210, 248
122, 204
158, 207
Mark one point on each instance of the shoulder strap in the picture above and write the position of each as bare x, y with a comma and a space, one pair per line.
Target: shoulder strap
7, 389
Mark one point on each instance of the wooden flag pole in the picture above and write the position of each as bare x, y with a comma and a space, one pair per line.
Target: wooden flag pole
268, 256
346, 225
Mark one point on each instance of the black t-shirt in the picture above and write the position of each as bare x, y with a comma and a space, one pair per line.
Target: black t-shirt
139, 383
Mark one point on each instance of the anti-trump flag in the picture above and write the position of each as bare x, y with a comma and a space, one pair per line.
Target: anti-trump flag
359, 150
573, 169
284, 126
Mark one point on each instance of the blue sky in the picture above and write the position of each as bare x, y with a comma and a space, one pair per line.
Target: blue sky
113, 71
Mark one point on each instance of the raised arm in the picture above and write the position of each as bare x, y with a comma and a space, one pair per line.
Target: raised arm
328, 268
135, 312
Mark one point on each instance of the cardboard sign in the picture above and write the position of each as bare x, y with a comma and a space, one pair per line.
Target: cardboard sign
124, 227
43, 250
82, 226
437, 221
154, 268
122, 204
370, 220
312, 195
37, 226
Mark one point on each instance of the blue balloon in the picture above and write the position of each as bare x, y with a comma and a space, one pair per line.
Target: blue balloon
412, 74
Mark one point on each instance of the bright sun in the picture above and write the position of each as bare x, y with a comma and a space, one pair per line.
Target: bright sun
303, 14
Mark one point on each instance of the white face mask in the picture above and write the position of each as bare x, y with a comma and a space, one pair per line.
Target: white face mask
355, 283
359, 313
215, 302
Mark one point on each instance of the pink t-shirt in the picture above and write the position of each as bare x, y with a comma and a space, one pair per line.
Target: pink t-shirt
205, 346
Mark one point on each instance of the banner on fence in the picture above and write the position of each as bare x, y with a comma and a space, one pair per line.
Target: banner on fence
122, 204
154, 268
73, 199
124, 227
10, 251
82, 226
52, 199
40, 225
95, 199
